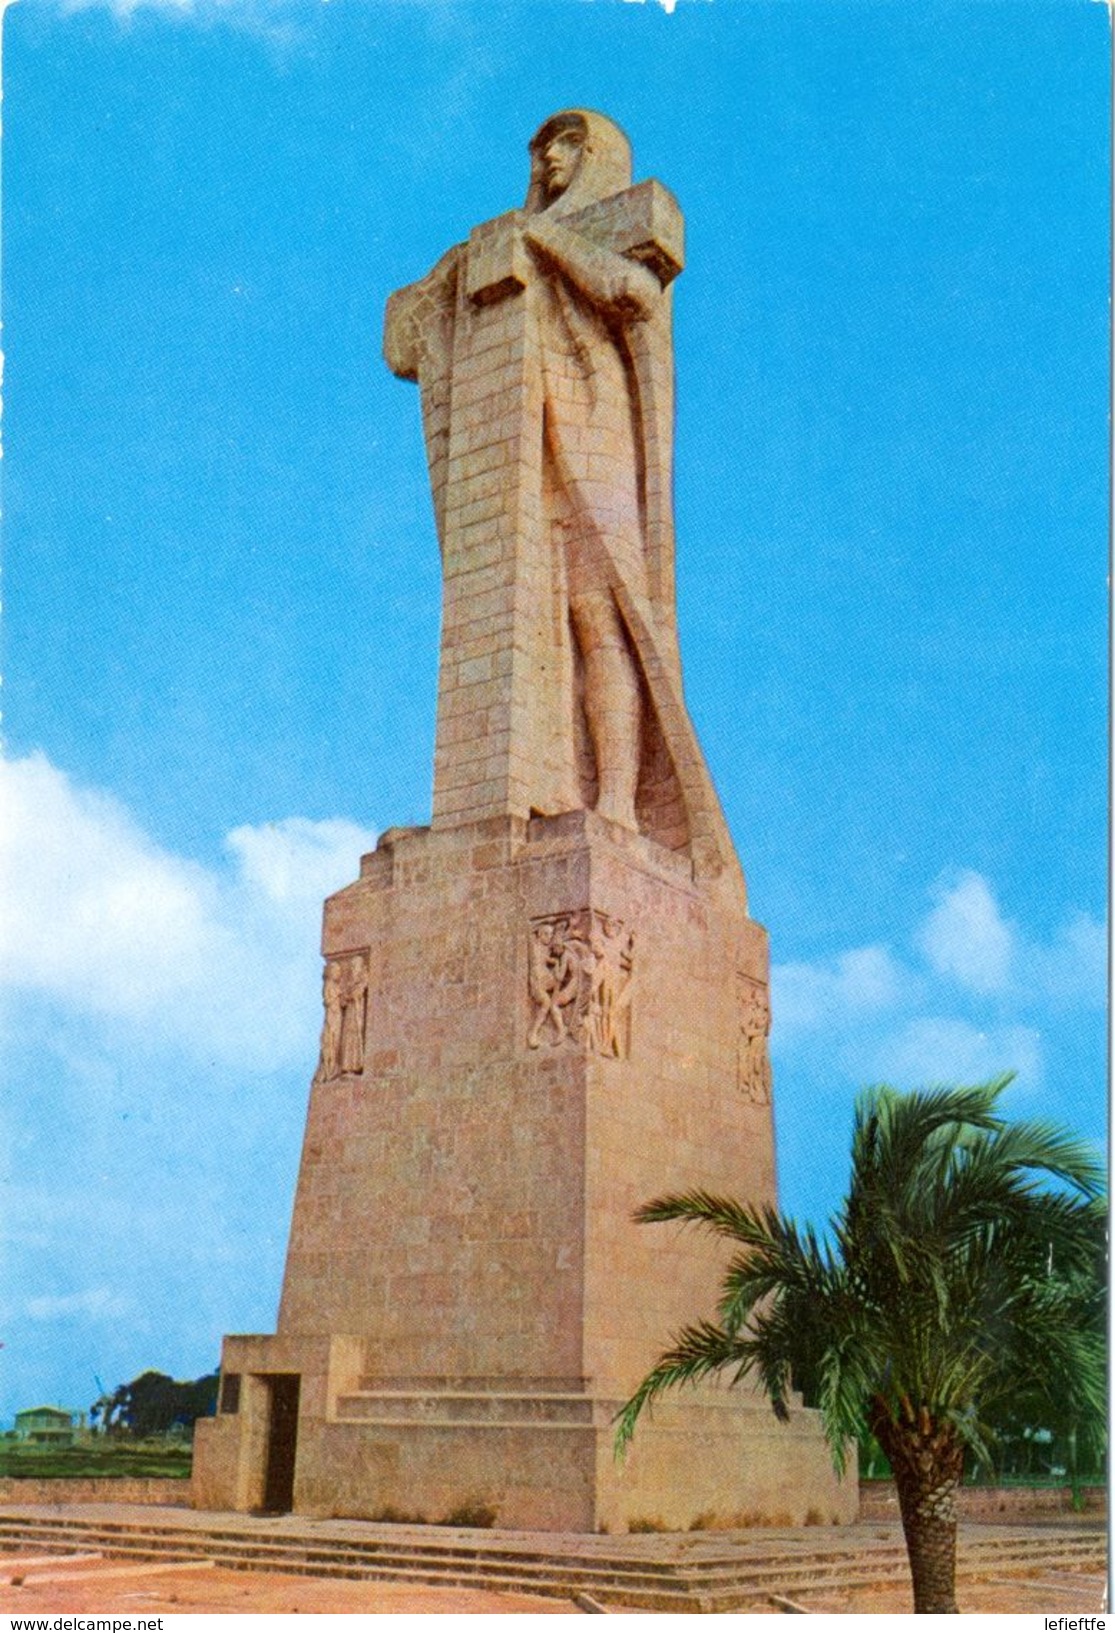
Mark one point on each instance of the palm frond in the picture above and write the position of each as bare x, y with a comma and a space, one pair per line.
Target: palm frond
788, 1261
720, 1215
963, 1267
696, 1352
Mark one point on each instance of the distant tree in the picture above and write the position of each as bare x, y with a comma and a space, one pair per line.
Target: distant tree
105, 1412
154, 1404
1037, 1432
1031, 1434
951, 1281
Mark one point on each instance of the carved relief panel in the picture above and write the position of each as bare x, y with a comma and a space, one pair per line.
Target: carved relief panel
753, 1057
581, 982
345, 998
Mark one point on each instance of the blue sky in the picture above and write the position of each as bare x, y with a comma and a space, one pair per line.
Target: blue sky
222, 590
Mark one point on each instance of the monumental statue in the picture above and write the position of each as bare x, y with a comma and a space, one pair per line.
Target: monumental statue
543, 352
551, 1003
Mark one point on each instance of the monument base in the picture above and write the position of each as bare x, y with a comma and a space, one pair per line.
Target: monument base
473, 1451
561, 1023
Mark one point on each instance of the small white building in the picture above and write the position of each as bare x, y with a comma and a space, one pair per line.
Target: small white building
49, 1425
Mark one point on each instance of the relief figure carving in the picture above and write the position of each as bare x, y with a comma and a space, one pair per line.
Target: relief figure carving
555, 974
754, 1073
581, 975
345, 1000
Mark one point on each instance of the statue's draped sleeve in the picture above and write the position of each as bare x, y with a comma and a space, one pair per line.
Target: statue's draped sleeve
653, 627
650, 347
418, 345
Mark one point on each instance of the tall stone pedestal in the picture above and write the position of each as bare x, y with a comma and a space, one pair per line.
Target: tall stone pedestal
561, 1024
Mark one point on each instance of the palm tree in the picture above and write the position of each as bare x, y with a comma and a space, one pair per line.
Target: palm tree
950, 1277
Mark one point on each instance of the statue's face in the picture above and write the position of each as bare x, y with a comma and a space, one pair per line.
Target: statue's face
560, 158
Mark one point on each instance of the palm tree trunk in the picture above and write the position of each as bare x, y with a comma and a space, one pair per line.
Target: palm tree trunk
927, 1461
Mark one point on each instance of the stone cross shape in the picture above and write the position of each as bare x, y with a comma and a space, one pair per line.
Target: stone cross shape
543, 352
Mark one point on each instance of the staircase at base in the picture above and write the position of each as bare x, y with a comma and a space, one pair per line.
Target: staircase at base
702, 1572
552, 1402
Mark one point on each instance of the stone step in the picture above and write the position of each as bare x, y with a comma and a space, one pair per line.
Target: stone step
475, 1385
622, 1581
485, 1545
398, 1407
811, 1589
723, 1582
1056, 1547
355, 1562
645, 1594
1056, 1550
333, 1549
619, 1582
648, 1594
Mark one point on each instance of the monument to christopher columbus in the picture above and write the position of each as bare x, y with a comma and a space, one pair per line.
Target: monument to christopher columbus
551, 1003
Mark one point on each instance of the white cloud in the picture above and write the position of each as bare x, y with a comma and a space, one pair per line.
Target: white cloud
965, 938
258, 15
160, 1026
975, 999
942, 1049
217, 962
862, 982
1072, 970
280, 24
96, 1303
248, 12
296, 860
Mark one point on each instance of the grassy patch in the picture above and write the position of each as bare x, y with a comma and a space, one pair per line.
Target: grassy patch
96, 1460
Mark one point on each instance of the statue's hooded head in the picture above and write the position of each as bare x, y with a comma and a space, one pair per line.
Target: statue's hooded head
577, 157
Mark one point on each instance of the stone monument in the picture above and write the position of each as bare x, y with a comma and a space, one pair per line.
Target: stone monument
551, 1004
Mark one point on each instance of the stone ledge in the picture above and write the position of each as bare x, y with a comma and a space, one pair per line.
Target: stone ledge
162, 1492
486, 1408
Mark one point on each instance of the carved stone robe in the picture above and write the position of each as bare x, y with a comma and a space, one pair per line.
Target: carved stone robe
605, 419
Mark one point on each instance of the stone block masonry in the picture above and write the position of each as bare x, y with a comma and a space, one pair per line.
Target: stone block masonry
467, 1301
551, 1005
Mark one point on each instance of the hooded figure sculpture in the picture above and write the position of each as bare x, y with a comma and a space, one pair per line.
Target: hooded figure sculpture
613, 732
592, 466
